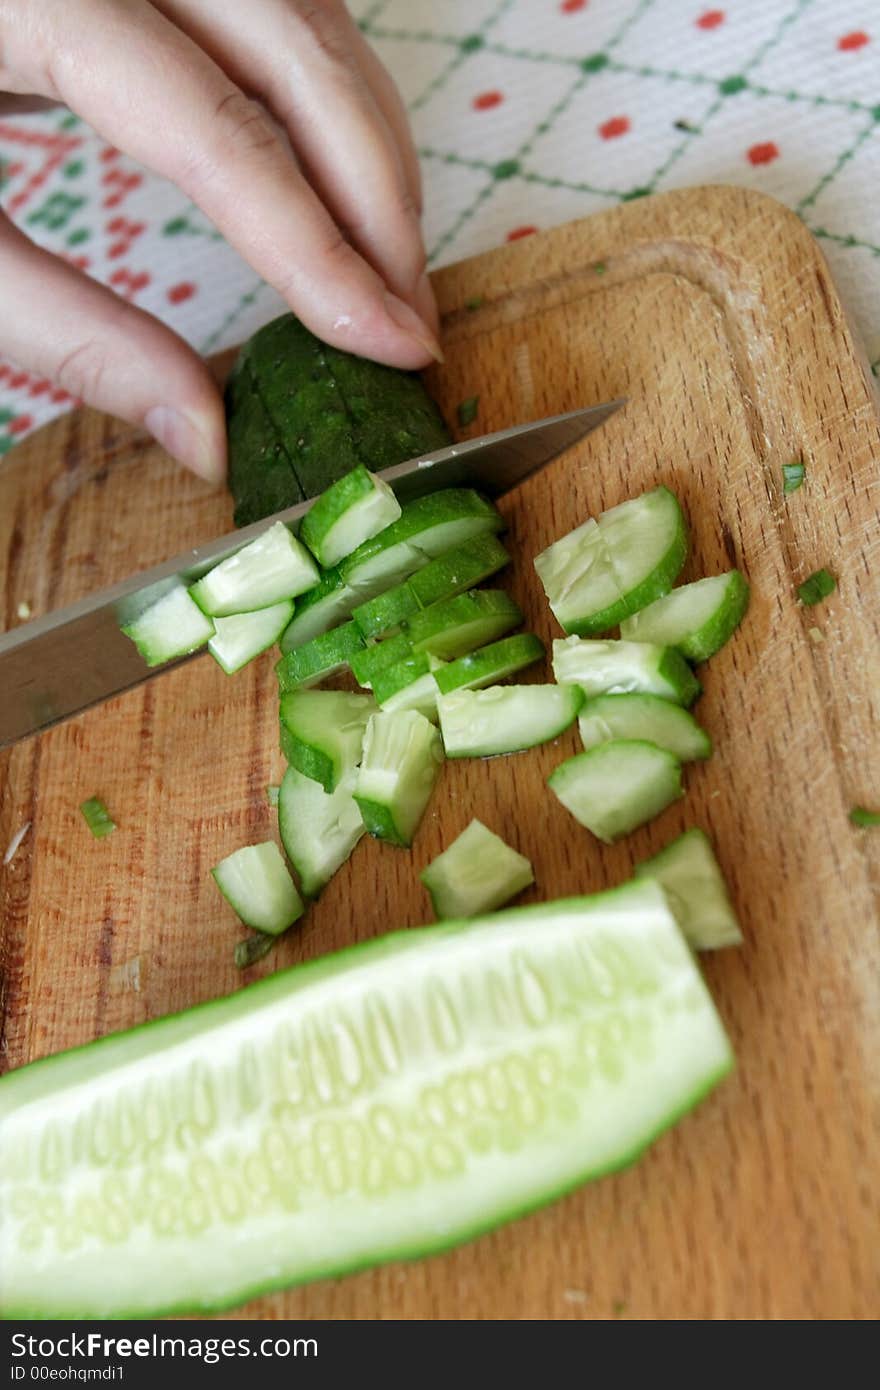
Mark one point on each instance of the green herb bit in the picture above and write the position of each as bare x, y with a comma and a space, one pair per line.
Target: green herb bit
816, 587
467, 410
861, 816
97, 817
793, 475
599, 268
272, 794
253, 948
474, 303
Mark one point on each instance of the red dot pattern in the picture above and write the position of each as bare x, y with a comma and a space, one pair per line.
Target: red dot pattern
177, 294
711, 19
849, 43
517, 233
763, 153
484, 101
572, 6
615, 127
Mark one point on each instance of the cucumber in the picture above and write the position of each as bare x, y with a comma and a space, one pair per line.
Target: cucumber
322, 732
401, 759
171, 627
256, 883
691, 878
491, 663
318, 829
322, 657
409, 684
505, 718
349, 512
386, 1102
458, 625
384, 613
273, 567
237, 640
697, 618
607, 569
459, 569
644, 717
617, 786
373, 658
624, 668
477, 873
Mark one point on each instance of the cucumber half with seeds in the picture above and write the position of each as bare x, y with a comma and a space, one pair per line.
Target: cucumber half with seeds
616, 787
349, 512
697, 618
322, 732
477, 873
402, 756
273, 567
490, 664
318, 829
237, 640
458, 625
322, 657
623, 668
691, 878
256, 882
171, 627
644, 717
505, 718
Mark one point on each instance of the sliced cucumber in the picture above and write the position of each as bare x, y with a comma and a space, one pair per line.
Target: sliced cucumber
318, 829
427, 527
273, 567
459, 569
617, 786
349, 512
691, 878
329, 603
401, 759
697, 618
322, 732
384, 613
491, 663
322, 657
477, 873
458, 625
605, 570
505, 718
643, 717
409, 684
624, 668
237, 640
173, 626
374, 657
256, 882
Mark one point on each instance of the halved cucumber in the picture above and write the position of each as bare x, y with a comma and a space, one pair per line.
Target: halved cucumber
491, 663
409, 684
318, 829
623, 668
401, 759
605, 570
171, 627
691, 878
273, 567
322, 732
375, 656
505, 718
644, 717
477, 873
617, 786
322, 657
325, 1118
237, 640
349, 512
459, 569
697, 618
458, 625
256, 882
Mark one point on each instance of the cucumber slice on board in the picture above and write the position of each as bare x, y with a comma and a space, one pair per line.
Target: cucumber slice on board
624, 668
691, 878
349, 512
384, 613
322, 657
505, 718
457, 625
173, 626
256, 883
644, 717
490, 664
329, 603
318, 829
409, 684
322, 732
617, 786
477, 873
401, 760
273, 567
237, 640
371, 659
606, 1037
697, 618
606, 569
459, 569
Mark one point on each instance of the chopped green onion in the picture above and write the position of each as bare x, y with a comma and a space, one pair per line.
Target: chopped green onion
815, 587
793, 475
467, 410
860, 815
475, 302
253, 948
97, 817
272, 794
599, 268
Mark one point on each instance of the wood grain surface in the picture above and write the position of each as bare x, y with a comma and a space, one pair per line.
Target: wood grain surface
713, 311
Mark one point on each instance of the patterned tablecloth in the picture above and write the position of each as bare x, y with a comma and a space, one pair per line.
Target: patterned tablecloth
527, 113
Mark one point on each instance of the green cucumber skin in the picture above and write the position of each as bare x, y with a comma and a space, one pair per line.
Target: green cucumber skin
369, 661
504, 658
418, 518
386, 612
307, 760
712, 636
454, 626
458, 570
326, 508
380, 822
391, 679
319, 658
637, 712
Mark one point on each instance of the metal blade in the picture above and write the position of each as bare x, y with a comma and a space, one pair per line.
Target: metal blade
61, 664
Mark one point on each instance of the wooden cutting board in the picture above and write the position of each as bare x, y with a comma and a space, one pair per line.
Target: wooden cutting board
713, 311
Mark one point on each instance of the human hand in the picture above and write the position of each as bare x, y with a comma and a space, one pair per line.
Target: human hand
279, 121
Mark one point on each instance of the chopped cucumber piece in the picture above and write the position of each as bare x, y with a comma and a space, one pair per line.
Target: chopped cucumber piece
490, 664
458, 625
373, 658
505, 718
349, 512
252, 949
238, 639
318, 829
691, 878
427, 527
97, 817
402, 756
273, 567
697, 618
410, 684
459, 569
322, 657
272, 793
646, 718
386, 612
256, 882
624, 668
322, 732
617, 786
607, 569
477, 873
173, 626
329, 603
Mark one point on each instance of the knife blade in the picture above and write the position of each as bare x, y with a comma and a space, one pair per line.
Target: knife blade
76, 657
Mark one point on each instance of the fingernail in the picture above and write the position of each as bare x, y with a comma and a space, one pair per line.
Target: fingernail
425, 302
406, 318
186, 441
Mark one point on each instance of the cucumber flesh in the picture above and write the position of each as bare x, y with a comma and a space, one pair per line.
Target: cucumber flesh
644, 717
318, 829
376, 656
329, 603
427, 527
458, 570
505, 718
691, 878
273, 567
238, 639
477, 873
490, 664
624, 668
322, 732
172, 627
697, 618
401, 760
256, 883
384, 613
617, 786
323, 1119
350, 511
457, 625
322, 657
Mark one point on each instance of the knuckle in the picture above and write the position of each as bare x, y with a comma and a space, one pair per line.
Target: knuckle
244, 124
82, 370
324, 21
